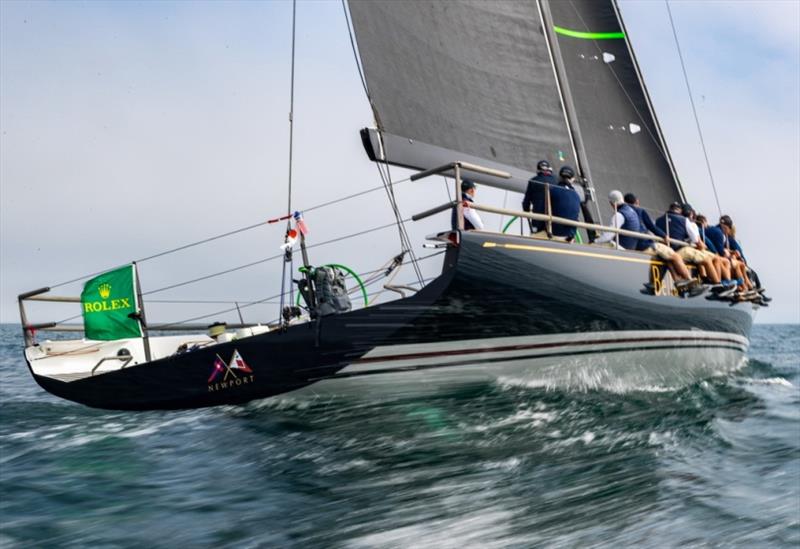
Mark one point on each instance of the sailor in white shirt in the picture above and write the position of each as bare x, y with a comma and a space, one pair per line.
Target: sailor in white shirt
471, 218
625, 218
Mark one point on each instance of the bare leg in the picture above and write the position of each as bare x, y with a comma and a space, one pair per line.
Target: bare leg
679, 267
713, 275
741, 272
724, 267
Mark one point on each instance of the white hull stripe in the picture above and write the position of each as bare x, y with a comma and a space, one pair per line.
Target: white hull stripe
701, 342
386, 367
476, 351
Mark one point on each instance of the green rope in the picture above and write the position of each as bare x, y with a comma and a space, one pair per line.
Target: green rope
510, 221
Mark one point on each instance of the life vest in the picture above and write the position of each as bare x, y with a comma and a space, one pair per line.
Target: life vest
677, 227
630, 223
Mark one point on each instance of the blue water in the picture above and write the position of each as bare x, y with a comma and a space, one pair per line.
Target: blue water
713, 464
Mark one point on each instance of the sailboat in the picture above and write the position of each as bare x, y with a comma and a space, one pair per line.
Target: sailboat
465, 89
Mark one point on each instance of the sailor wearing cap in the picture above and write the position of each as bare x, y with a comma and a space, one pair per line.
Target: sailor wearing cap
682, 229
662, 251
565, 202
718, 235
722, 237
471, 218
534, 200
625, 218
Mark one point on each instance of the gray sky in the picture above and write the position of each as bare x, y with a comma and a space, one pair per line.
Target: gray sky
128, 128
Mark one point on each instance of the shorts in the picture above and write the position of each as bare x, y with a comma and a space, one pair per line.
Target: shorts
690, 254
661, 251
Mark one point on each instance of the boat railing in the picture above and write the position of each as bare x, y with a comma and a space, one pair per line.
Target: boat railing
457, 167
550, 220
40, 295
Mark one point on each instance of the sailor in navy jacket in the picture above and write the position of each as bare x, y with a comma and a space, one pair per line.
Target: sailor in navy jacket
534, 200
645, 221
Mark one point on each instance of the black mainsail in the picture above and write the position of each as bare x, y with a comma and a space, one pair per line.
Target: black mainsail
470, 80
507, 83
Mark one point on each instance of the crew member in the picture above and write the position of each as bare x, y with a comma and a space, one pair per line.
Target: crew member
534, 200
565, 202
679, 229
720, 236
702, 224
472, 220
662, 251
722, 264
625, 218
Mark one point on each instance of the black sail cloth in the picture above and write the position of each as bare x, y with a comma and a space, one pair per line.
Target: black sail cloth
472, 77
619, 134
507, 83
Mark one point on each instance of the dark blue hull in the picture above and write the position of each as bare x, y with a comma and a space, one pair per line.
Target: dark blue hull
507, 298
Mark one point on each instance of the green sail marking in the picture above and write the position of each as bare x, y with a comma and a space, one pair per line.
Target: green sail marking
589, 35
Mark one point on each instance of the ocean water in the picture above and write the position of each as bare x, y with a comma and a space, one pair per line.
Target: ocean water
716, 463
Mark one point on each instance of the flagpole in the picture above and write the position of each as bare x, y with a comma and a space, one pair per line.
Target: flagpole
140, 314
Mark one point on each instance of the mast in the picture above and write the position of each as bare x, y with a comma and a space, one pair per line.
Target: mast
569, 108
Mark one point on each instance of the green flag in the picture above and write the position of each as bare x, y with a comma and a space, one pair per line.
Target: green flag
107, 300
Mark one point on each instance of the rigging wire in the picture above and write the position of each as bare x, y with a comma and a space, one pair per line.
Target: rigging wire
447, 188
266, 300
405, 240
288, 253
694, 109
355, 52
266, 259
229, 233
369, 279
